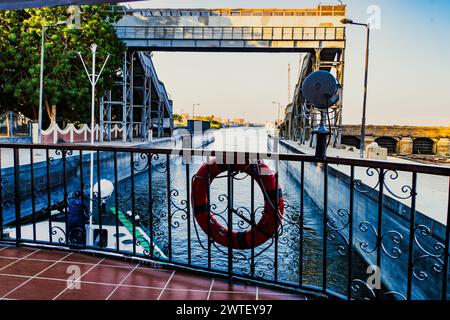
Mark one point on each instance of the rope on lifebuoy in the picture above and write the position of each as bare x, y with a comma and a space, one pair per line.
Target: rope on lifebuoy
257, 234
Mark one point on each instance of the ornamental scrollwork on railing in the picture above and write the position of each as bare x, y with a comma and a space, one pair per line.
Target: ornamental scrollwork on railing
223, 199
406, 191
7, 192
180, 208
393, 252
141, 162
76, 236
336, 230
60, 155
361, 290
435, 255
364, 189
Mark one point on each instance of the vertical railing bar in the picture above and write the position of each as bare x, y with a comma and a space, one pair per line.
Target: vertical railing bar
33, 194
209, 224
1, 197
169, 207
411, 236
133, 202
150, 202
276, 213
380, 222
252, 218
446, 253
301, 222
350, 233
81, 179
188, 211
99, 199
17, 194
325, 221
116, 201
66, 218
49, 196
230, 221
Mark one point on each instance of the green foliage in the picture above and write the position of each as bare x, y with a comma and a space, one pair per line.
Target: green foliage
177, 117
66, 85
216, 124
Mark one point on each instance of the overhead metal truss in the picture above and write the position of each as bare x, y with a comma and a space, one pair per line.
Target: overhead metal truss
145, 105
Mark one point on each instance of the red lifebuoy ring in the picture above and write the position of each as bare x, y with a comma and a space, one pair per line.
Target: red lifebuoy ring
265, 227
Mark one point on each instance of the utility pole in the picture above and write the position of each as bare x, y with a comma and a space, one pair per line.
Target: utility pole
93, 79
366, 80
193, 110
289, 83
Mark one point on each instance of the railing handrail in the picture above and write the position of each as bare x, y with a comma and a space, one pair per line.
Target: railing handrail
386, 165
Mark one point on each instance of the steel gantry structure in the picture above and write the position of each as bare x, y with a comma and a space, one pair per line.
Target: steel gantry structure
139, 103
317, 33
301, 117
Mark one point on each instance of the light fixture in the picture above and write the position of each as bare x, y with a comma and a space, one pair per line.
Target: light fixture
106, 189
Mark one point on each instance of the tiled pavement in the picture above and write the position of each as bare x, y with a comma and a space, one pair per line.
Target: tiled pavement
36, 274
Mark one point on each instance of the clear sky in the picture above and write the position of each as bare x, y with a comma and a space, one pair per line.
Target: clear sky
409, 69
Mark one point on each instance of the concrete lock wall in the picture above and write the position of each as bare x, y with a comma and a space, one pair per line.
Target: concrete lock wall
395, 217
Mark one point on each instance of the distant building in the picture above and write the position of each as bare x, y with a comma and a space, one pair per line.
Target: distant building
238, 122
402, 140
198, 126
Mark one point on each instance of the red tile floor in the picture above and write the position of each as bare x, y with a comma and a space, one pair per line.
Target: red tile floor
37, 274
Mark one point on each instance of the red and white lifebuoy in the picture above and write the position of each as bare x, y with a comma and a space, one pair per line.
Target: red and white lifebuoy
271, 217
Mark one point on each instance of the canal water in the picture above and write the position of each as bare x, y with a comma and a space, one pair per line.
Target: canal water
176, 233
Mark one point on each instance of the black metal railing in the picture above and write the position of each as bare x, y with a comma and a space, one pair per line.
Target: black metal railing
341, 216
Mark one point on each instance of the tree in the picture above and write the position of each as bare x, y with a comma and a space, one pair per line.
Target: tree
177, 117
66, 86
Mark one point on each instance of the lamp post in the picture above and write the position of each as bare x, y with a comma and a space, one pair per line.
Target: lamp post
93, 79
193, 110
279, 107
41, 75
366, 79
103, 192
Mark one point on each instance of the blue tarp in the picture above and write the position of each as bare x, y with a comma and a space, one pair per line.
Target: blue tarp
21, 4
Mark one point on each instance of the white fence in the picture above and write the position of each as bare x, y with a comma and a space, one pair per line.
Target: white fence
54, 134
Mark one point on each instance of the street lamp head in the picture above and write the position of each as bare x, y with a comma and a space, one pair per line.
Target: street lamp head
93, 47
347, 21
106, 189
60, 23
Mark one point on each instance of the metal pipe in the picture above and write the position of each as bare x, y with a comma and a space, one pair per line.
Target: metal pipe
91, 169
366, 79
